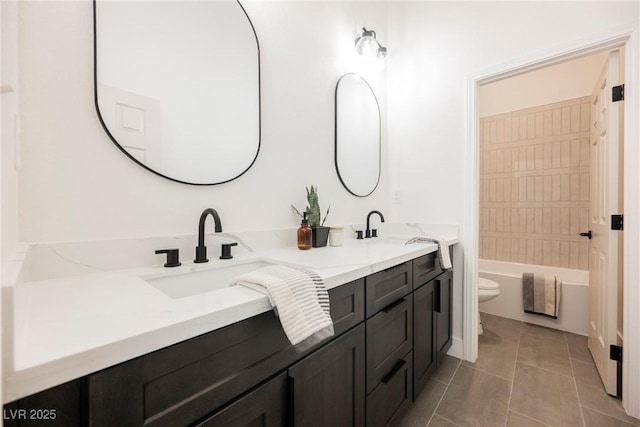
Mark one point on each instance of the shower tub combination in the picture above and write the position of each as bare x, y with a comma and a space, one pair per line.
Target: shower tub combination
574, 302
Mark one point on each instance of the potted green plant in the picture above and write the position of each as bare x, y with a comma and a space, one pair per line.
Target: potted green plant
319, 232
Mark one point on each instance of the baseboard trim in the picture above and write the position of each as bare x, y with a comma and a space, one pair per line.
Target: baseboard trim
457, 348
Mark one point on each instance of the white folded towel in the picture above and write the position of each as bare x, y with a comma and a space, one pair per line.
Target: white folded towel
443, 249
299, 298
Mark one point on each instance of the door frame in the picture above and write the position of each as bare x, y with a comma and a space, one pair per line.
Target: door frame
629, 38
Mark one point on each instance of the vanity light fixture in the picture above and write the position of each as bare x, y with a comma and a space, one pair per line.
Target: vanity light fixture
368, 46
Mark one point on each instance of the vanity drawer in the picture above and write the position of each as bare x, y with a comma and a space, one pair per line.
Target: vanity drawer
388, 402
387, 286
389, 338
426, 268
347, 305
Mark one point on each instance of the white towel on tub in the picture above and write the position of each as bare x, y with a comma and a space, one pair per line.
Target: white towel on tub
298, 297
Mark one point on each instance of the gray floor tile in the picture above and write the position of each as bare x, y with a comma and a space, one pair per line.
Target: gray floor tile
508, 329
545, 396
545, 351
593, 395
578, 347
518, 420
596, 419
475, 398
446, 370
542, 332
438, 421
425, 405
496, 355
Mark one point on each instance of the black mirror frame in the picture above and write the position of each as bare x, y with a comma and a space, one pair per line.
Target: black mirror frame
111, 137
336, 135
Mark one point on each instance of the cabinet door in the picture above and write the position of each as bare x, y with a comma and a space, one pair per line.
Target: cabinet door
443, 286
328, 385
263, 407
390, 400
389, 339
424, 355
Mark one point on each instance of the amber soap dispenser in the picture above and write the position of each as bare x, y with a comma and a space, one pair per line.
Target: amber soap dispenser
304, 234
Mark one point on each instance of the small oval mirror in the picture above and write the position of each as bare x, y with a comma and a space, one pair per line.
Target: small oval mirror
357, 135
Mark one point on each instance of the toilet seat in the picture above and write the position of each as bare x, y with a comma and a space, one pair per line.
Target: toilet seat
487, 284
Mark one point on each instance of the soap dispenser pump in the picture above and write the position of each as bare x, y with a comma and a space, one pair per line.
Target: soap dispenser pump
304, 234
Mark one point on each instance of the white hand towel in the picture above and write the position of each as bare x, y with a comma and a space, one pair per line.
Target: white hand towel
299, 298
443, 249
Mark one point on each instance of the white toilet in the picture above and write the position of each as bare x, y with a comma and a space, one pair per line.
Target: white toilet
487, 290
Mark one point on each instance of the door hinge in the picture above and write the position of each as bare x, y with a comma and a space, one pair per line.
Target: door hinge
615, 353
617, 222
617, 93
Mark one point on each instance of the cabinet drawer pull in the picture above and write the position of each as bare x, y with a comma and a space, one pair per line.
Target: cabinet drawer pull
393, 305
393, 371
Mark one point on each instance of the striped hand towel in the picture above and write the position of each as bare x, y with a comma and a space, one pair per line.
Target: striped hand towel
299, 298
541, 294
443, 249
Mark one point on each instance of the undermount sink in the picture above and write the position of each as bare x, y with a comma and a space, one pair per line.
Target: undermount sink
186, 284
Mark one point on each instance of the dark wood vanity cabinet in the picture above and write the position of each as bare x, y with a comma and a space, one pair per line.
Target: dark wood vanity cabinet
432, 311
392, 329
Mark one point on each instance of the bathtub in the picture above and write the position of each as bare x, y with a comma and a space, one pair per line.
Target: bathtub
574, 304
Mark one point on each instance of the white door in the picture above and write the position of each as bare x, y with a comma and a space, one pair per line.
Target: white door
603, 250
134, 121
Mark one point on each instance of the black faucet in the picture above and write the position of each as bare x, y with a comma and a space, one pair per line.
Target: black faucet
201, 249
372, 233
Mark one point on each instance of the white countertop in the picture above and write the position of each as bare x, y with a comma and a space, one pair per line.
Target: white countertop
68, 327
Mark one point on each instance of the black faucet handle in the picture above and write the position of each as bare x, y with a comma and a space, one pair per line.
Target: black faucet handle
173, 257
359, 234
374, 233
226, 250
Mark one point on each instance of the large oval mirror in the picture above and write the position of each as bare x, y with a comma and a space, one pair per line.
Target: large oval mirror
357, 135
178, 86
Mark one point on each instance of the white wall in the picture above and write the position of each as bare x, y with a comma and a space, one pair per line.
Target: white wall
76, 185
435, 46
568, 80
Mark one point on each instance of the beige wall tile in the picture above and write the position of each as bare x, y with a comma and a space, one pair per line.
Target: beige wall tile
515, 126
547, 191
556, 154
539, 133
584, 255
499, 131
584, 186
556, 128
538, 252
522, 129
547, 120
575, 153
531, 125
566, 120
565, 153
574, 185
575, 118
564, 254
546, 156
585, 152
556, 188
534, 193
565, 187
539, 188
585, 114
565, 220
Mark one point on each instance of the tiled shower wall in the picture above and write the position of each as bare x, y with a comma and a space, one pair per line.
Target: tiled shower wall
534, 185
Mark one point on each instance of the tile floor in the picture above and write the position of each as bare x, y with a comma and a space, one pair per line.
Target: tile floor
525, 375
